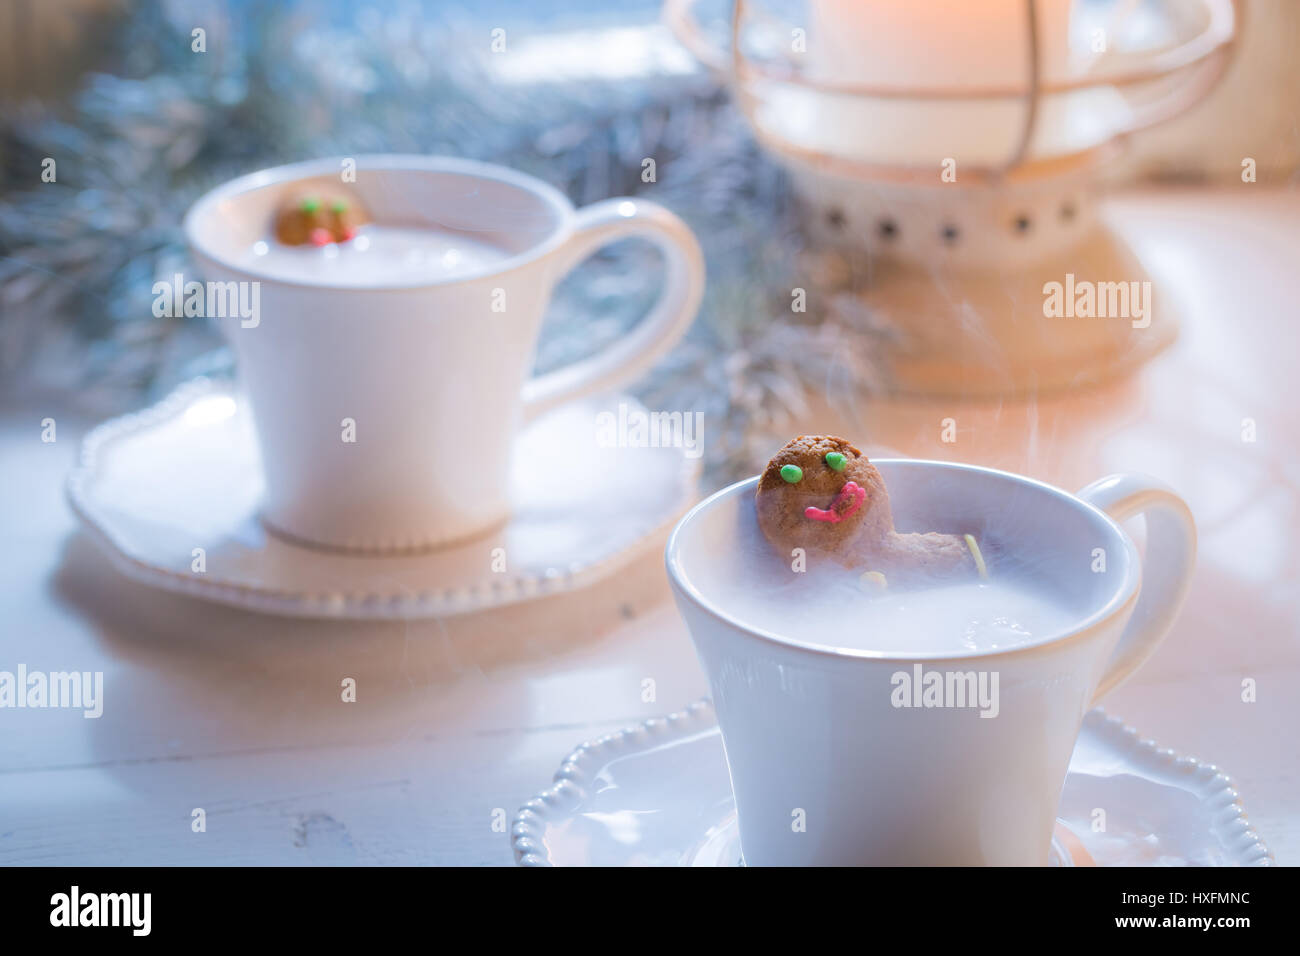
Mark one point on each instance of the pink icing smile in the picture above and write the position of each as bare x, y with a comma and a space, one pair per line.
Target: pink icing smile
846, 503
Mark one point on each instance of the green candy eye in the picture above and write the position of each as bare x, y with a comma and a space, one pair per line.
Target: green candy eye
792, 473
310, 204
339, 207
836, 460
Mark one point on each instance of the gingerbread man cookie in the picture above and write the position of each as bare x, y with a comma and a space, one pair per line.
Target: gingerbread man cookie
319, 217
821, 494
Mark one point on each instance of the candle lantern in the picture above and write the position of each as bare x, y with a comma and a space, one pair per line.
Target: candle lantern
955, 147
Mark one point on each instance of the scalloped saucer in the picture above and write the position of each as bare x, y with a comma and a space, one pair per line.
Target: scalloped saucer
185, 474
658, 794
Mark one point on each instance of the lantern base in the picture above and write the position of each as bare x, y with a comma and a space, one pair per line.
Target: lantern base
1078, 319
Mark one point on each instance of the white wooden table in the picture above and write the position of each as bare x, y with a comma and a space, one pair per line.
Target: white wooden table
458, 722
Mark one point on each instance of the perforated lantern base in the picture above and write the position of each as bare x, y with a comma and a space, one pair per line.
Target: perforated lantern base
960, 271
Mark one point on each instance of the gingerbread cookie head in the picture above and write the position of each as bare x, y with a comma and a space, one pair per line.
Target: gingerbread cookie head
821, 494
319, 217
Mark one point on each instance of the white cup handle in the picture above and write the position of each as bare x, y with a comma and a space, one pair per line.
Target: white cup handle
600, 224
1166, 567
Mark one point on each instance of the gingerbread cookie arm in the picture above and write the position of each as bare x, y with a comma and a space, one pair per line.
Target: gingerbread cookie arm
924, 557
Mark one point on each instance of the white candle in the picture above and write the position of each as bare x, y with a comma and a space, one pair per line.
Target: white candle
946, 45
935, 43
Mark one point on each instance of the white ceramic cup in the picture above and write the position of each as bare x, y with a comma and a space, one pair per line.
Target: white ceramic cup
811, 732
432, 371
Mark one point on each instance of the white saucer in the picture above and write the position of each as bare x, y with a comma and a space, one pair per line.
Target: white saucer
658, 794
153, 486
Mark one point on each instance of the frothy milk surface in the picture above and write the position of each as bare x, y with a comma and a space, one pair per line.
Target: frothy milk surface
379, 254
827, 605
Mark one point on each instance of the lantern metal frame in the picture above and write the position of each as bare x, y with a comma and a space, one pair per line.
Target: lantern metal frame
1207, 53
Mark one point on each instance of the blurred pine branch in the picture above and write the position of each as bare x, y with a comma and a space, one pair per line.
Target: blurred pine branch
136, 146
